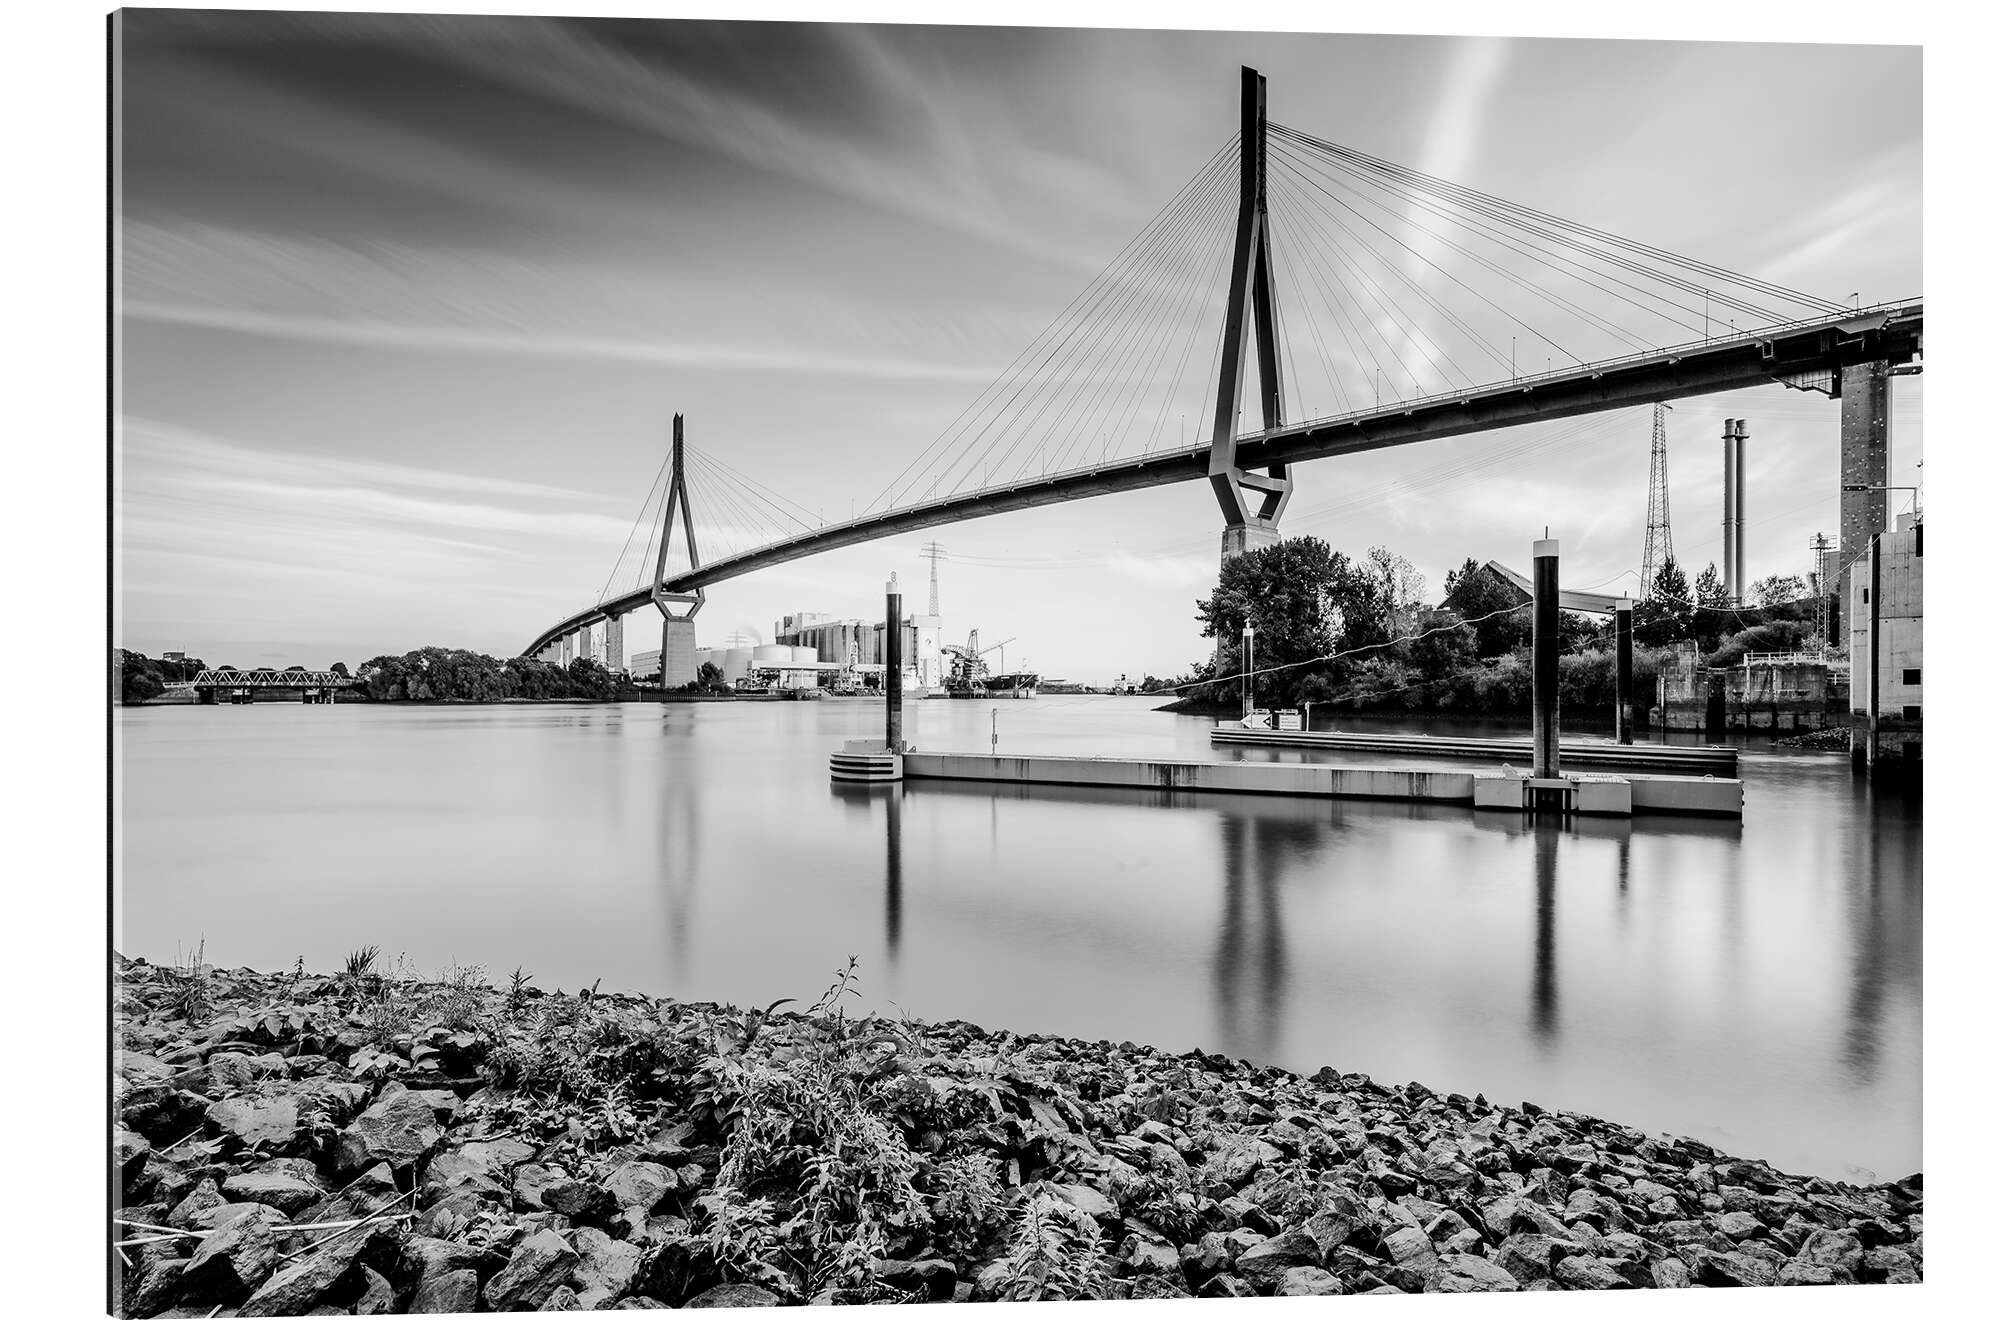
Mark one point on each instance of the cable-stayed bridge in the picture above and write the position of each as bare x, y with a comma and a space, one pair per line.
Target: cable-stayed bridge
1380, 306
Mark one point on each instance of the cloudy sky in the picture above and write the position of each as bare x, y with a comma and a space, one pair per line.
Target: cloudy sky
408, 303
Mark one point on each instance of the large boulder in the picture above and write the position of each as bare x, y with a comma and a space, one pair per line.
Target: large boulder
1269, 1261
366, 1194
256, 1121
605, 1268
235, 1258
275, 1189
540, 1263
1469, 1272
1303, 1281
580, 1199
640, 1185
397, 1128
301, 1283
450, 1291
1090, 1200
1587, 1272
733, 1296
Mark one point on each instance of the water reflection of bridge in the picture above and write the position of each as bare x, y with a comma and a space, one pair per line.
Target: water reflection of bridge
1270, 850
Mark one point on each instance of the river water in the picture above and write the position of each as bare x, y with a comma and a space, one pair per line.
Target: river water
1756, 986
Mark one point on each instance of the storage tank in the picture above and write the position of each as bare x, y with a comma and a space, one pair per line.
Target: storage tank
735, 664
805, 652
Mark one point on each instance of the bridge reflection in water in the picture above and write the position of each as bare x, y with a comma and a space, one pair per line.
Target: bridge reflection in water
1590, 897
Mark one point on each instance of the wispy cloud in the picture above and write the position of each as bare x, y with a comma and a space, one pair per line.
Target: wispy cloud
161, 443
945, 187
383, 335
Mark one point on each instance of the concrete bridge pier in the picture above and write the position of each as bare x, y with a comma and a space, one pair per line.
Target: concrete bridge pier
677, 665
1243, 538
1864, 461
614, 642
583, 646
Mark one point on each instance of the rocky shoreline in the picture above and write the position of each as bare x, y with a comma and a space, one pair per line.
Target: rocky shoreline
371, 1143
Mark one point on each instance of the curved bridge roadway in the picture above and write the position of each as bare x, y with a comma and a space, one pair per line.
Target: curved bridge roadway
1806, 354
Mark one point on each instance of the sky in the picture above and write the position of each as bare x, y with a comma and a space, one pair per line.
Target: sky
407, 305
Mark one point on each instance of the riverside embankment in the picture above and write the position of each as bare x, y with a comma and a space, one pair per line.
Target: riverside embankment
361, 1143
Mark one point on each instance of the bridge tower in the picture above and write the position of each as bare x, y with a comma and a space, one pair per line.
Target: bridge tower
1252, 502
677, 664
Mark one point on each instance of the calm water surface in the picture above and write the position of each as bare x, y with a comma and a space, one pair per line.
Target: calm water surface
1756, 986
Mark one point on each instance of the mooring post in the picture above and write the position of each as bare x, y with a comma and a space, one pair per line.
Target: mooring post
892, 671
996, 731
1249, 649
1548, 596
1621, 618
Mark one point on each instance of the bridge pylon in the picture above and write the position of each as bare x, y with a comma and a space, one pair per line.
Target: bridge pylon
1252, 502
677, 664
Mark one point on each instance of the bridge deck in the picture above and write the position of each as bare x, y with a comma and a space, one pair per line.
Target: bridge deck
1795, 351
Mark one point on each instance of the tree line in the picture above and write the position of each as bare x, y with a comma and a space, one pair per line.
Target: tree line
139, 678
458, 675
1356, 634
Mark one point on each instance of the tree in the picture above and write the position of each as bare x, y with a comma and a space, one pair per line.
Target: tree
709, 677
1710, 597
1666, 614
1482, 598
139, 678
340, 669
1402, 586
1778, 590
1284, 593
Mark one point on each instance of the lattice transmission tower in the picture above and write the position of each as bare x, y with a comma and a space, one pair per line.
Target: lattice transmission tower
1659, 525
934, 553
1826, 556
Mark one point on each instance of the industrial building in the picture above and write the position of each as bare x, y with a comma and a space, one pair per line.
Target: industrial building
1773, 692
864, 646
646, 664
1885, 637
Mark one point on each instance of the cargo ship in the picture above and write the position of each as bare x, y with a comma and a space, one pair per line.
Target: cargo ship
1019, 685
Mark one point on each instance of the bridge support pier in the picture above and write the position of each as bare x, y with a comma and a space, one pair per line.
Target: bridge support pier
583, 644
1864, 461
677, 665
1243, 538
614, 643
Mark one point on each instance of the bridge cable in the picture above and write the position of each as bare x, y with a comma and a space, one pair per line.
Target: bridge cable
1063, 378
1400, 321
605, 592
1132, 351
1384, 167
1345, 323
1489, 348
1420, 292
1282, 259
1510, 216
955, 428
1537, 254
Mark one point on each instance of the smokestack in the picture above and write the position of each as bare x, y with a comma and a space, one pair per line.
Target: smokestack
1732, 509
1742, 466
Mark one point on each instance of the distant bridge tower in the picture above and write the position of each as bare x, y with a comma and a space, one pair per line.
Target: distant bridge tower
1659, 526
1249, 524
677, 664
